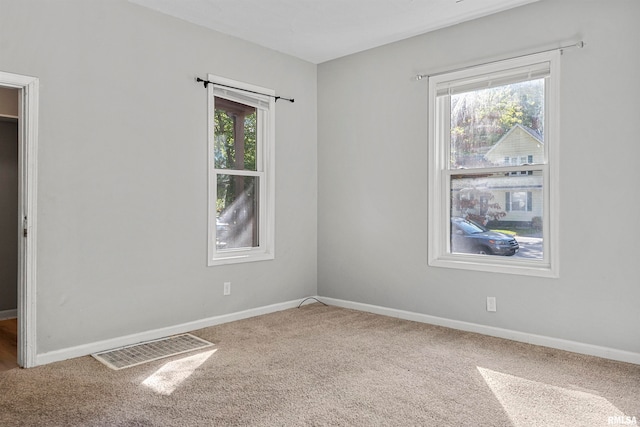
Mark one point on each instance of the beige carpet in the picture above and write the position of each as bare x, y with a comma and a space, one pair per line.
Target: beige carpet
322, 365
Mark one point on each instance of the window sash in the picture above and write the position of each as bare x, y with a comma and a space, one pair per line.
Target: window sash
262, 116
262, 129
256, 233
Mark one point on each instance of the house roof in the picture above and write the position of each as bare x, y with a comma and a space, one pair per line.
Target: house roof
507, 136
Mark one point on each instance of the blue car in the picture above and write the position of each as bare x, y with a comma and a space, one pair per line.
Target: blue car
471, 238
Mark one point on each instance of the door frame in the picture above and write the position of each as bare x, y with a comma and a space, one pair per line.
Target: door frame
26, 221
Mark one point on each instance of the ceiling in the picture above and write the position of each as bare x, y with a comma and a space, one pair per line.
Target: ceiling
321, 30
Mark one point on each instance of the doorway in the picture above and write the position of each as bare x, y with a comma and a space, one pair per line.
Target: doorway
19, 126
8, 227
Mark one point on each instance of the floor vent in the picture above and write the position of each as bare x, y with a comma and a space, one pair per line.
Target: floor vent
137, 354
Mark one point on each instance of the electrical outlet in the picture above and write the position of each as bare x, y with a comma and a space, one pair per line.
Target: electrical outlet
227, 288
491, 303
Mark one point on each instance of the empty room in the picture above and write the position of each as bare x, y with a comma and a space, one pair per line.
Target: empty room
319, 212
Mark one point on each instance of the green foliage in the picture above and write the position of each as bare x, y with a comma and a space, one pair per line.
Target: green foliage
508, 232
480, 118
227, 151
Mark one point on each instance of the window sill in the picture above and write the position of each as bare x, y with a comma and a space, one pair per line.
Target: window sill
240, 258
504, 266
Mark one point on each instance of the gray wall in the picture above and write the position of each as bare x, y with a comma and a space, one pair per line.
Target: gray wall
122, 185
122, 172
8, 212
372, 157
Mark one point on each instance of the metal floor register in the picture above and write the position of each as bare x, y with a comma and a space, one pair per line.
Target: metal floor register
149, 351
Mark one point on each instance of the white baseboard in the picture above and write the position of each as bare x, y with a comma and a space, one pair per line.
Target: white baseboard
8, 314
560, 344
96, 347
573, 346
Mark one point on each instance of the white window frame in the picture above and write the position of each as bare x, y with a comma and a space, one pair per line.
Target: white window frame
264, 101
439, 122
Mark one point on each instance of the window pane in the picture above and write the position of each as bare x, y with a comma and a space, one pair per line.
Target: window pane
499, 126
489, 211
237, 212
235, 135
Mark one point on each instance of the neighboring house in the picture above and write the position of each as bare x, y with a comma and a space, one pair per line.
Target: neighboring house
518, 146
515, 198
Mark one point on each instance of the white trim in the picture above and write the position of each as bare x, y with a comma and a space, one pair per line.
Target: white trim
560, 344
96, 347
8, 314
27, 191
541, 340
551, 231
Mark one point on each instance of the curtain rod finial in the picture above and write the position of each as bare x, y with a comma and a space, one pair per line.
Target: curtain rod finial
205, 82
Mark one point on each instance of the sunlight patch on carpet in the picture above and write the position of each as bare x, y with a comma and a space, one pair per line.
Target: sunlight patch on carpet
166, 379
149, 351
532, 403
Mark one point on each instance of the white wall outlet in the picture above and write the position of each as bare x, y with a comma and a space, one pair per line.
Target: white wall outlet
491, 303
227, 288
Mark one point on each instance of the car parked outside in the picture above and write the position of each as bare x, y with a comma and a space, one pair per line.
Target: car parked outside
470, 237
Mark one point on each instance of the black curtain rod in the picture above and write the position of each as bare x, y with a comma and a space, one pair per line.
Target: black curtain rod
207, 82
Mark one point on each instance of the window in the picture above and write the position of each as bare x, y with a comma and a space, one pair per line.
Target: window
493, 163
523, 160
518, 201
241, 176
